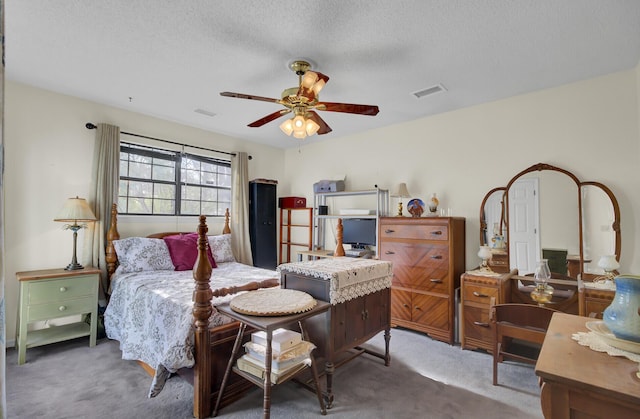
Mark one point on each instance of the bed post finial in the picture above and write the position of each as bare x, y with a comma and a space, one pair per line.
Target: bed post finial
227, 228
202, 310
339, 249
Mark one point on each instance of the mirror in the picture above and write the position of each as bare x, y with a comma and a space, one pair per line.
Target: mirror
547, 212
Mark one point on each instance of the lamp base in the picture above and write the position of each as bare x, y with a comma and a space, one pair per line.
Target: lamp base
73, 267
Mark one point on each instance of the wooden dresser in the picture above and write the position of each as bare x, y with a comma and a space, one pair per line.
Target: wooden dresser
478, 291
428, 256
578, 382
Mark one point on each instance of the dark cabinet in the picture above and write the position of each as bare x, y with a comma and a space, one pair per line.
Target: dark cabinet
262, 223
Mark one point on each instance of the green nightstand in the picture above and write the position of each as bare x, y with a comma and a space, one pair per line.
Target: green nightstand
53, 293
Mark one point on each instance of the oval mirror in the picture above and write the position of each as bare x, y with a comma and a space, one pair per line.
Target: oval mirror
547, 212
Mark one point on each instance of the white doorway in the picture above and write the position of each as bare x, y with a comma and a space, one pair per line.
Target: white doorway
524, 225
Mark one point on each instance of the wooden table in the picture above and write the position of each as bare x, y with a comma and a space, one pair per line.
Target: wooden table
579, 382
268, 325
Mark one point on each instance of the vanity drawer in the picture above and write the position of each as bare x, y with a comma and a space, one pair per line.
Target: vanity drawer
477, 325
417, 232
44, 291
479, 294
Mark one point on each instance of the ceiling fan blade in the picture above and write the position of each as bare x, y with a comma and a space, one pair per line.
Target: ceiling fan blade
272, 116
324, 128
252, 97
371, 110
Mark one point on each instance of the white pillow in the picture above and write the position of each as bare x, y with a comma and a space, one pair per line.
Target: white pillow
221, 248
136, 254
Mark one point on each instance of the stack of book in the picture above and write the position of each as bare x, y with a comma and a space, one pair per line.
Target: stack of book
289, 354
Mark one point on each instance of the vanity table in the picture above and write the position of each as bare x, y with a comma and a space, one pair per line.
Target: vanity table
578, 382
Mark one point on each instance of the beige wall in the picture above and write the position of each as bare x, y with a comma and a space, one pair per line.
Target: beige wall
48, 156
590, 128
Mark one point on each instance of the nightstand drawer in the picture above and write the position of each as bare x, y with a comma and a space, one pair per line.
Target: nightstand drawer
60, 309
44, 291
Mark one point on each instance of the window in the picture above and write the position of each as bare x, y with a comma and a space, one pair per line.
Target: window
154, 181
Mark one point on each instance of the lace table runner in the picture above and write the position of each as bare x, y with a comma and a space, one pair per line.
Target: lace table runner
350, 277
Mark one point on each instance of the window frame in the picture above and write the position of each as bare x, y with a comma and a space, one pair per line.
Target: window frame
178, 157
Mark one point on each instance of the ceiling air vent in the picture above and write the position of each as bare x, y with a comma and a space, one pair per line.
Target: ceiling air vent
204, 112
429, 91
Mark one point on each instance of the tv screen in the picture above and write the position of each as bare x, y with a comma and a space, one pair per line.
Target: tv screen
359, 232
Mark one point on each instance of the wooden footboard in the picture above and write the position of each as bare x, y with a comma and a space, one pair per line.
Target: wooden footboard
212, 346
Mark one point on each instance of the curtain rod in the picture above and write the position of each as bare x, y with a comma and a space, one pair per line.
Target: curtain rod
90, 125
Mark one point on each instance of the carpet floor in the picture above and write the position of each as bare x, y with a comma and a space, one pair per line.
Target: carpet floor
426, 379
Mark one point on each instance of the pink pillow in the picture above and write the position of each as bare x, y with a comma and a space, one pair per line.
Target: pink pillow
183, 249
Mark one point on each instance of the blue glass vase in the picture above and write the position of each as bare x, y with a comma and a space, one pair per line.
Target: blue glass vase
622, 317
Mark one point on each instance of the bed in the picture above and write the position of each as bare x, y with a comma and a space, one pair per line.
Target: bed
166, 319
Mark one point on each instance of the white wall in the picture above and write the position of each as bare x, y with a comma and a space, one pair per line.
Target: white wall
48, 156
589, 128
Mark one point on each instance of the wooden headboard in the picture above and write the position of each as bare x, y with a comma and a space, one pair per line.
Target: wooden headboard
112, 235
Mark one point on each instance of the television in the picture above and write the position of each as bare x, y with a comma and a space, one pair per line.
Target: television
359, 232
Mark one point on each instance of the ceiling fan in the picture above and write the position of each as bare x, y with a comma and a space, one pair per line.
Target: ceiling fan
302, 100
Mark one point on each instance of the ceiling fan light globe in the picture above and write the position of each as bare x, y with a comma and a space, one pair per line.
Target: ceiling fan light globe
299, 134
287, 126
298, 123
311, 127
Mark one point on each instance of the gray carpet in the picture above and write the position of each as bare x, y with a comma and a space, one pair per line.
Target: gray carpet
426, 379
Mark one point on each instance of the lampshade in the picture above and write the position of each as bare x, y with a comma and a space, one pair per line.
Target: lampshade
402, 191
608, 263
75, 209
299, 126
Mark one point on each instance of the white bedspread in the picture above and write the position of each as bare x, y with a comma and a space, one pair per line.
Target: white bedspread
150, 314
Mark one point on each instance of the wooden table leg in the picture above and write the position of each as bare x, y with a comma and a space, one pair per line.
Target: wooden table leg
266, 404
227, 372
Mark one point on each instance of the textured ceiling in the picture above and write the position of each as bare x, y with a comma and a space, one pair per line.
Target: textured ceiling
168, 58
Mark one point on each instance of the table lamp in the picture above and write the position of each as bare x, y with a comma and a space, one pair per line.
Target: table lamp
75, 210
402, 192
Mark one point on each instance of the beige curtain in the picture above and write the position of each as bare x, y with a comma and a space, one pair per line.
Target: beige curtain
240, 208
103, 193
3, 330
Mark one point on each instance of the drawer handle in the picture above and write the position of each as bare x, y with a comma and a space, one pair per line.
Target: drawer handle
436, 257
63, 289
389, 252
481, 324
418, 308
436, 280
477, 294
62, 308
405, 305
437, 233
389, 231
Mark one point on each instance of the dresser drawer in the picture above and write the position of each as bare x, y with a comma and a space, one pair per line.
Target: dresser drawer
418, 232
420, 266
61, 289
479, 294
52, 310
